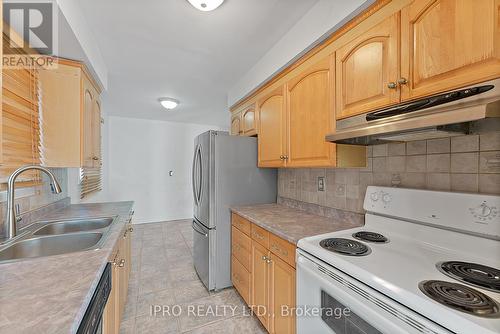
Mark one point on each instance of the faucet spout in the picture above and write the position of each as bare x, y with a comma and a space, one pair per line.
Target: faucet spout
11, 219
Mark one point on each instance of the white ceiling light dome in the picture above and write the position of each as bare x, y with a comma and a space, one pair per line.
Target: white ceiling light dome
206, 5
168, 103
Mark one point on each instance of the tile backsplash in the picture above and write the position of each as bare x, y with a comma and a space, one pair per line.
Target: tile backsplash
468, 163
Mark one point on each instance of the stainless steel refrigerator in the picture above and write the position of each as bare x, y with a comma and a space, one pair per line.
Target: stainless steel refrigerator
225, 174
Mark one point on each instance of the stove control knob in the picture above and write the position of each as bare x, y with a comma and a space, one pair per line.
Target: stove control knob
374, 196
484, 212
386, 198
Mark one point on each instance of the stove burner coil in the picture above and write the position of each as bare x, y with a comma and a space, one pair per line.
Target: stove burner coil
472, 273
370, 237
345, 246
461, 298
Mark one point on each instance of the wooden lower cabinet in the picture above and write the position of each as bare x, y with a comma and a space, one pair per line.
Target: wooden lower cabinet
268, 285
282, 296
260, 284
121, 266
241, 279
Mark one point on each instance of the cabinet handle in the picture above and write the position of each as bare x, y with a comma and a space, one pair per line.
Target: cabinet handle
130, 229
265, 258
285, 157
95, 158
268, 261
282, 157
392, 85
122, 263
402, 81
258, 236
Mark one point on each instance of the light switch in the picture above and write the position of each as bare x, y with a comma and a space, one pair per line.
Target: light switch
171, 173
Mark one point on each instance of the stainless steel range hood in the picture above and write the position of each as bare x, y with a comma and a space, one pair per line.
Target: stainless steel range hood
454, 113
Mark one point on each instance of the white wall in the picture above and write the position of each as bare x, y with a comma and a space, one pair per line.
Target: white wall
140, 155
321, 20
81, 31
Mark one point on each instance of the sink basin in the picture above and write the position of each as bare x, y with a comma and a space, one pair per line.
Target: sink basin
50, 245
72, 226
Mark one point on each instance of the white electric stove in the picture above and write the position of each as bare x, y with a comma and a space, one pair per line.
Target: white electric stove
425, 262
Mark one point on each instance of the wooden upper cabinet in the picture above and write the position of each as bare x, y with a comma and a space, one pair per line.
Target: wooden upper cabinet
310, 116
249, 121
367, 70
272, 129
236, 124
96, 132
71, 114
87, 142
91, 149
447, 44
244, 121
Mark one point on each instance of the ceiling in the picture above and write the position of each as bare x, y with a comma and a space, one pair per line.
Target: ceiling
167, 48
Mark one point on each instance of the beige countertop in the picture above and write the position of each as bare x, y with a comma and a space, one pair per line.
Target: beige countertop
294, 224
51, 294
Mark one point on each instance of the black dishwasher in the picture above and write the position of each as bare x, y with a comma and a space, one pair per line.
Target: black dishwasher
92, 320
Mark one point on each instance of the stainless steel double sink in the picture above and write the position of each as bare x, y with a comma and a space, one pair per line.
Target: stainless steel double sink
57, 237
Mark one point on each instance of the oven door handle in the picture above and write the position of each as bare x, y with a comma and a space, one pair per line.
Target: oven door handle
378, 310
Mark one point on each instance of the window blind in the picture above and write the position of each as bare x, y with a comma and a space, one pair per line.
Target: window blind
90, 180
20, 142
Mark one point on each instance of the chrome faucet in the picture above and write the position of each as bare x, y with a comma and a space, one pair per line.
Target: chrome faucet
12, 220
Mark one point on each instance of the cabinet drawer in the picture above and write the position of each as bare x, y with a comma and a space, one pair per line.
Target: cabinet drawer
241, 279
241, 247
241, 223
283, 249
260, 235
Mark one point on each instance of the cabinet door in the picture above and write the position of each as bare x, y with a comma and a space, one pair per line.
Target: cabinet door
367, 70
282, 292
447, 44
236, 125
110, 320
249, 120
260, 283
96, 132
117, 291
310, 116
61, 114
272, 129
87, 144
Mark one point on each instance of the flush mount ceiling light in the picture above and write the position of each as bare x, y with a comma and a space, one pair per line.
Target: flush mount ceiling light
206, 5
168, 103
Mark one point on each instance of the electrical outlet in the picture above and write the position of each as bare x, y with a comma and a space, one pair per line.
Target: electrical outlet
321, 183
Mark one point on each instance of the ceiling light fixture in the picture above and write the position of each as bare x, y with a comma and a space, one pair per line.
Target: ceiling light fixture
206, 5
168, 103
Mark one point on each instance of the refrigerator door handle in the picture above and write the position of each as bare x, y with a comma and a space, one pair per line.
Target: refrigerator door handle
195, 158
200, 190
198, 231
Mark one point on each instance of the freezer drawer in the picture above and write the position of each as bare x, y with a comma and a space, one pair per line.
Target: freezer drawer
201, 251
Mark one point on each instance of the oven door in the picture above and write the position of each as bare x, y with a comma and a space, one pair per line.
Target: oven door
329, 301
